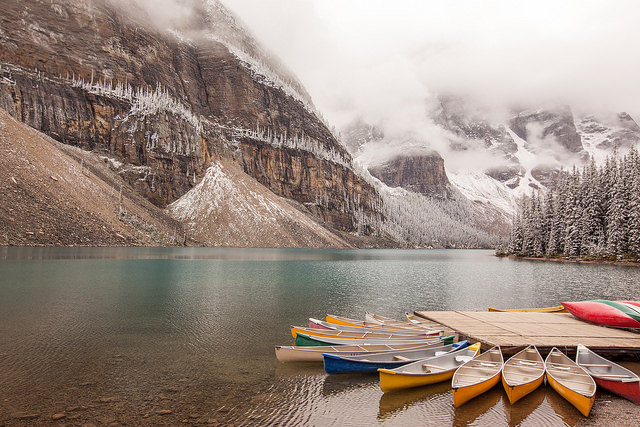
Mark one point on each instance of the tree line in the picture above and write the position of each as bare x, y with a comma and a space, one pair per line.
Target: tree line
592, 213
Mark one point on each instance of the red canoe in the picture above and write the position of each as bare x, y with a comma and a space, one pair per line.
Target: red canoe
601, 314
608, 375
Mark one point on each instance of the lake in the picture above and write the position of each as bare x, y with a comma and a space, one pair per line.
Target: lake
172, 335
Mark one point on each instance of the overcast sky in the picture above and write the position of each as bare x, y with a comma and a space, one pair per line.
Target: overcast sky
383, 59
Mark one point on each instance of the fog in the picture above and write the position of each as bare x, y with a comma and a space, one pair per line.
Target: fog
385, 61
376, 55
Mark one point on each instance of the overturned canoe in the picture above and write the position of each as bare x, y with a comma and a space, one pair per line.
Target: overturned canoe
556, 309
340, 364
605, 313
477, 376
314, 340
608, 375
427, 371
314, 353
522, 373
570, 381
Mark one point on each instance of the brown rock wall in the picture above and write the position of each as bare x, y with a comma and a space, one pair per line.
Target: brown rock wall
46, 43
424, 174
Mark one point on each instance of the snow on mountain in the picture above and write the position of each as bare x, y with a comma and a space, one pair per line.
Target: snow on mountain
227, 29
600, 134
521, 154
479, 187
229, 208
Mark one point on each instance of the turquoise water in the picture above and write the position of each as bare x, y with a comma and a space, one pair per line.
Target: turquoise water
111, 335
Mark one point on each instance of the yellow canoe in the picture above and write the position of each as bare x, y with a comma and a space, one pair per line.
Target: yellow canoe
522, 373
339, 320
556, 309
570, 380
427, 371
477, 376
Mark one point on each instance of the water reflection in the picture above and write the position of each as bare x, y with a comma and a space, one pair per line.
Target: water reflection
524, 408
125, 332
344, 383
399, 401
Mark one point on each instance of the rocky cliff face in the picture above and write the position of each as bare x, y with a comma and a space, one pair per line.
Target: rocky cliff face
56, 194
472, 127
548, 129
163, 104
424, 174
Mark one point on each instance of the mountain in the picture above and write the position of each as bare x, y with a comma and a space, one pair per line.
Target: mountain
183, 108
164, 104
517, 152
57, 194
227, 207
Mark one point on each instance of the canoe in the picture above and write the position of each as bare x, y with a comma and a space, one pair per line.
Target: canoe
421, 322
415, 321
570, 381
522, 373
376, 318
341, 364
293, 353
608, 375
606, 313
556, 309
314, 340
323, 325
364, 334
477, 376
427, 371
340, 320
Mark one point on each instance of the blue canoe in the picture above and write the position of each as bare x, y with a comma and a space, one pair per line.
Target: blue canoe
372, 362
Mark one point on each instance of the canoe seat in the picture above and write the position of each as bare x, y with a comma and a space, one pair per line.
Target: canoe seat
463, 359
595, 365
440, 353
526, 362
401, 358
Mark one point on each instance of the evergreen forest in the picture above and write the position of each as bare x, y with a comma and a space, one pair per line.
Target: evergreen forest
592, 213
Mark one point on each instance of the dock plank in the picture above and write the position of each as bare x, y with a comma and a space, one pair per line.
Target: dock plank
514, 330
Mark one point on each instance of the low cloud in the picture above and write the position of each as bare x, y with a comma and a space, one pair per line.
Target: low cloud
388, 61
384, 61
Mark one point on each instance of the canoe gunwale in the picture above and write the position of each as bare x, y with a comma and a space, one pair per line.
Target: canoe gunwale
552, 373
517, 361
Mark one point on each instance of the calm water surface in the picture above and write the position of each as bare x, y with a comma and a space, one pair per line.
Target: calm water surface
115, 335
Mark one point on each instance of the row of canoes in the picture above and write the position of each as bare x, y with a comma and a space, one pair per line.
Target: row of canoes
416, 353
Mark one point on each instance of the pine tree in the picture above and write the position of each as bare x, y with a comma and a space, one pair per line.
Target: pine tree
591, 220
634, 217
617, 217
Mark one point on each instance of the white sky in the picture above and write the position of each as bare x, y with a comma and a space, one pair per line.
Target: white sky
383, 59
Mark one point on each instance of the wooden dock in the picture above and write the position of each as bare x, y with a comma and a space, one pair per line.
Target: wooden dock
514, 330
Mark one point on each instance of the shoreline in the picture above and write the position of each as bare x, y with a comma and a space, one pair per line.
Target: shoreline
575, 260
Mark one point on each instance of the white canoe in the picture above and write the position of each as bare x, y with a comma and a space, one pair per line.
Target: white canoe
314, 353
